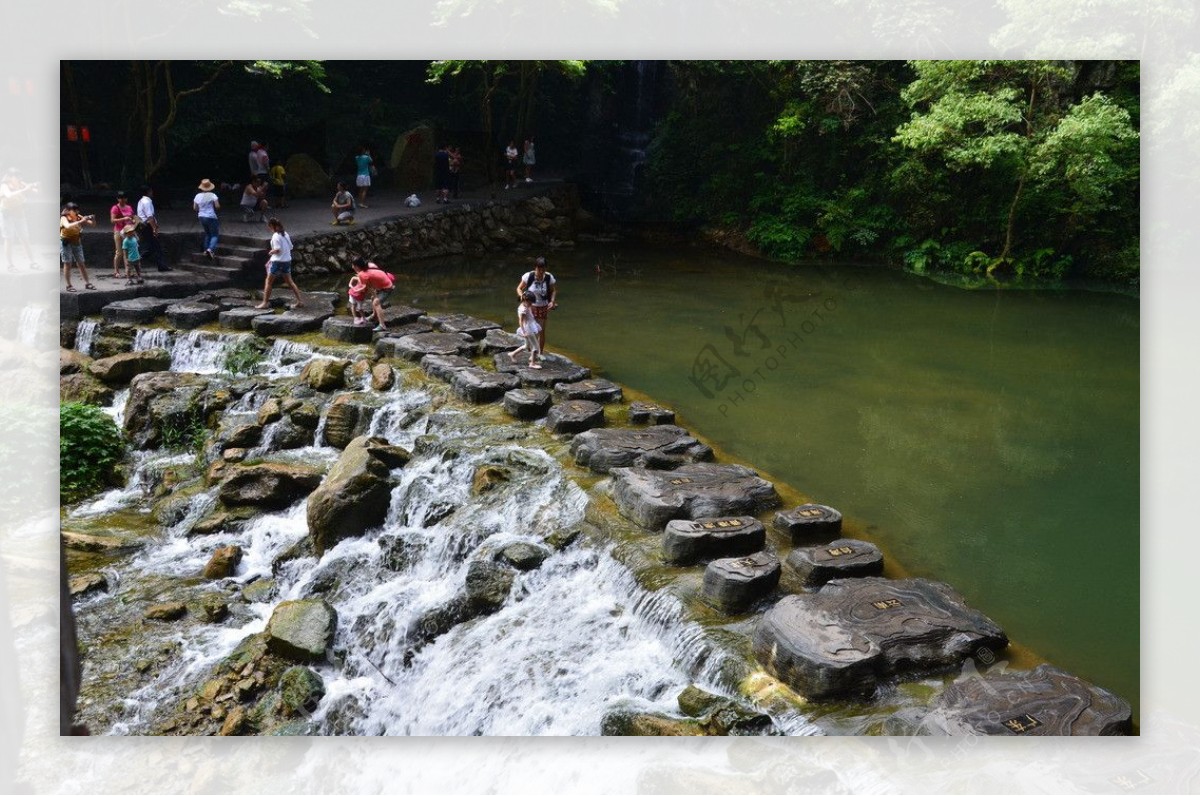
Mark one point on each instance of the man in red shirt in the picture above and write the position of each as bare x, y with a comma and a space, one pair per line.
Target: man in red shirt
380, 283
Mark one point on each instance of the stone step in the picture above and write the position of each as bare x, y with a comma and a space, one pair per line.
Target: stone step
223, 260
212, 271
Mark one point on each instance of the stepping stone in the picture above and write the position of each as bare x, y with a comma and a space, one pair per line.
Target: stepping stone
241, 318
230, 293
841, 558
732, 585
343, 329
415, 346
136, 310
843, 639
399, 315
601, 390
189, 316
318, 298
687, 542
466, 324
497, 340
527, 404
574, 417
811, 523
482, 386
1045, 701
305, 319
230, 303
554, 369
203, 297
656, 448
642, 412
651, 498
419, 326
444, 366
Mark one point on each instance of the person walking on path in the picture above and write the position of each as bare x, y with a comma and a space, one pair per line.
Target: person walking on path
544, 287
343, 205
379, 282
70, 234
510, 165
132, 255
13, 226
365, 167
456, 162
279, 264
119, 214
530, 158
441, 174
527, 329
148, 229
206, 206
260, 162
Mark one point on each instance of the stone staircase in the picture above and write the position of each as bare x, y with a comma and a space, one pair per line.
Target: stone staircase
238, 257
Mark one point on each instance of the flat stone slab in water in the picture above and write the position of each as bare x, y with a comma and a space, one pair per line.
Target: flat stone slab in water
482, 386
844, 638
841, 558
498, 340
466, 324
811, 523
600, 390
136, 310
419, 326
399, 315
652, 498
573, 417
554, 369
305, 319
343, 329
687, 542
732, 585
656, 448
191, 315
642, 412
241, 318
415, 346
527, 404
444, 366
1045, 701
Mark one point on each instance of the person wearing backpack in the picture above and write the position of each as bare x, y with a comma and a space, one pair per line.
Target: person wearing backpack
380, 283
543, 286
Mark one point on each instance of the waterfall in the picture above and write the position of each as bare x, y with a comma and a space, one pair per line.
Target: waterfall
28, 325
146, 339
84, 335
202, 352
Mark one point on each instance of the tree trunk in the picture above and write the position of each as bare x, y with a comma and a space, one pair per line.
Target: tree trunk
1012, 220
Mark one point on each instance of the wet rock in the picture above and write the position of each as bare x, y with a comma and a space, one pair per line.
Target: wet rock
599, 390
444, 366
296, 321
651, 498
121, 368
223, 563
343, 329
165, 612
732, 585
325, 374
231, 521
246, 435
643, 413
574, 417
420, 326
562, 538
522, 556
482, 386
87, 583
811, 523
497, 340
269, 412
624, 721
657, 448
844, 638
488, 585
135, 310
71, 361
414, 347
84, 388
841, 558
191, 315
353, 497
270, 485
306, 414
162, 399
235, 723
285, 434
213, 609
241, 318
487, 477
555, 369
383, 377
1045, 701
112, 339
344, 420
720, 715
401, 315
695, 702
95, 543
301, 630
463, 324
260, 591
301, 690
301, 549
527, 404
687, 542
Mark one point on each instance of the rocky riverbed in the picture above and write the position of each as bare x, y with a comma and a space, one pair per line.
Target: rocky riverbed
326, 530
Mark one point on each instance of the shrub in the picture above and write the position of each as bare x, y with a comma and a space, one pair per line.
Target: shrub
89, 447
242, 358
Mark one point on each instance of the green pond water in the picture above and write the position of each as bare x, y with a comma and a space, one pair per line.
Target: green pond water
985, 438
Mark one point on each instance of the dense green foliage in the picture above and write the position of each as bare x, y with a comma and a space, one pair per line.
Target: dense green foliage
975, 168
90, 448
242, 358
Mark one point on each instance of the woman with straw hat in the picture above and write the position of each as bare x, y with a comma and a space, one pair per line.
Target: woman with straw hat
206, 206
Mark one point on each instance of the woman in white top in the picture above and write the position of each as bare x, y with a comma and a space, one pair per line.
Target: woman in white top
206, 206
279, 263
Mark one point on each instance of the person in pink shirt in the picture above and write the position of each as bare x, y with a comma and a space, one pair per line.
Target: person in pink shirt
379, 282
119, 214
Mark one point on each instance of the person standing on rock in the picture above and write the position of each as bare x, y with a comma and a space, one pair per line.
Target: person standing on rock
148, 229
510, 165
365, 167
206, 204
13, 227
119, 214
279, 264
544, 287
441, 174
530, 158
527, 329
70, 234
132, 255
380, 283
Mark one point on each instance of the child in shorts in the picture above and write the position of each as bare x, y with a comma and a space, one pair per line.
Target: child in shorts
527, 329
133, 255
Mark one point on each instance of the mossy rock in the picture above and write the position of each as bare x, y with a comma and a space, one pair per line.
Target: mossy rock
301, 690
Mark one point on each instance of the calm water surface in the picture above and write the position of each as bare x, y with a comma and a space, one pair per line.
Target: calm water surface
987, 439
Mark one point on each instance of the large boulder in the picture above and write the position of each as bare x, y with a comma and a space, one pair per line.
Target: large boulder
354, 495
165, 400
270, 485
121, 368
411, 160
383, 377
657, 447
346, 419
844, 638
301, 690
687, 542
841, 558
325, 374
306, 178
1045, 701
71, 361
652, 498
84, 388
302, 630
113, 338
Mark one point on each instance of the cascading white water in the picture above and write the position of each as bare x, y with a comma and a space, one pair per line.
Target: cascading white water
85, 333
145, 339
202, 352
29, 324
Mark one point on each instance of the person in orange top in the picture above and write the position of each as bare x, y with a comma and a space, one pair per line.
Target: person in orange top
379, 282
